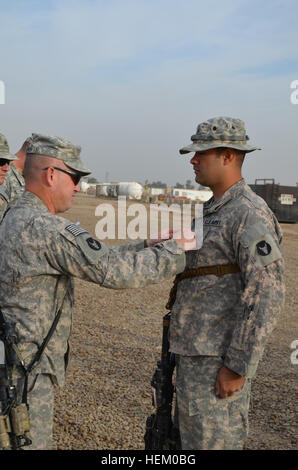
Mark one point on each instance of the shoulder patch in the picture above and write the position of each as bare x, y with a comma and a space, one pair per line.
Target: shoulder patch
265, 250
92, 248
94, 244
75, 230
261, 245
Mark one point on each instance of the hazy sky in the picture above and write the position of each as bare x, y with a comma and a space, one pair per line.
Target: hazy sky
129, 80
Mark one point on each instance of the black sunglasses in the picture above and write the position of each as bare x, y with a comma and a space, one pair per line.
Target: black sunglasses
3, 161
75, 176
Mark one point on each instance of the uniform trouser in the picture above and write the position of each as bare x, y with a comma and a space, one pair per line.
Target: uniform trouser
206, 421
40, 399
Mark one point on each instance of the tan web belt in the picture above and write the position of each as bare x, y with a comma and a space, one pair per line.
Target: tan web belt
219, 270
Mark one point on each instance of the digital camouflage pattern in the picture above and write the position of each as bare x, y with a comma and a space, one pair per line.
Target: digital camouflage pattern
60, 148
41, 408
219, 132
4, 194
4, 199
4, 149
41, 253
11, 189
206, 421
227, 318
234, 314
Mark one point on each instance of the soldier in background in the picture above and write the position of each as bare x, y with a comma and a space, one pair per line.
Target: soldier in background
42, 254
5, 158
14, 184
226, 305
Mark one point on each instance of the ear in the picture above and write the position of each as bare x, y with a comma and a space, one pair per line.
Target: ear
229, 156
49, 176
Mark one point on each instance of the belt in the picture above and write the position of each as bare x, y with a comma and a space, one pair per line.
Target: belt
219, 270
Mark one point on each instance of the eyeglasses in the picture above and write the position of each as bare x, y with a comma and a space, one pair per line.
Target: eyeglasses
75, 176
3, 161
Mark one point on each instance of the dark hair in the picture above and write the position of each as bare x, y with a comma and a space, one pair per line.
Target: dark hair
240, 154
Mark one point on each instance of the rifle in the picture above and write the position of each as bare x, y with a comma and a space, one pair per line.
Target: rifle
14, 416
161, 433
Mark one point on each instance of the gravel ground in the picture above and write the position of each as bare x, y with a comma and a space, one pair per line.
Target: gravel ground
115, 345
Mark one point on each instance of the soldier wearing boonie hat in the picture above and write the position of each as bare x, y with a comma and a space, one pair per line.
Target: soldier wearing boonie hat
43, 252
226, 303
219, 132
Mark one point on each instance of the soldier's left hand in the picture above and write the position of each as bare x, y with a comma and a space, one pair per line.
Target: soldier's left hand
228, 382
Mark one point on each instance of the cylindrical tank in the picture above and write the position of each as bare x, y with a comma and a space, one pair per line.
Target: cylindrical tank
131, 190
84, 186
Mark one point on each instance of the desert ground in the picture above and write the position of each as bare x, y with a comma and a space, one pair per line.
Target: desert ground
116, 342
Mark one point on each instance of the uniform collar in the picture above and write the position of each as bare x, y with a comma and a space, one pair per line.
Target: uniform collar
17, 174
30, 199
231, 193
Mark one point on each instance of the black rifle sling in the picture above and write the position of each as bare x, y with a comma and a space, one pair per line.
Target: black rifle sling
41, 349
165, 337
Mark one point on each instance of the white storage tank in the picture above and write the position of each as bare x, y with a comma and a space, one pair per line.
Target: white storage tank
84, 186
193, 194
131, 190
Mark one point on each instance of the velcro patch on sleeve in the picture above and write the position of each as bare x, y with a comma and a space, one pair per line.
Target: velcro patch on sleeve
75, 230
261, 244
92, 248
265, 250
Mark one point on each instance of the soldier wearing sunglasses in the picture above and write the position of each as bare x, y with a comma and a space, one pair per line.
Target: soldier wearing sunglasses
43, 252
5, 158
14, 183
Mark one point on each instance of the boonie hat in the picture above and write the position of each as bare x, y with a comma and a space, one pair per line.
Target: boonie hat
4, 149
57, 147
219, 132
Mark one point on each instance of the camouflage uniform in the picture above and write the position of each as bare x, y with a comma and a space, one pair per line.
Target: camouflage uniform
4, 199
225, 320
4, 154
43, 253
12, 189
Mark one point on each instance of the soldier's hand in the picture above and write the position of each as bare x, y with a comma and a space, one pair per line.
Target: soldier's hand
228, 382
187, 241
161, 237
